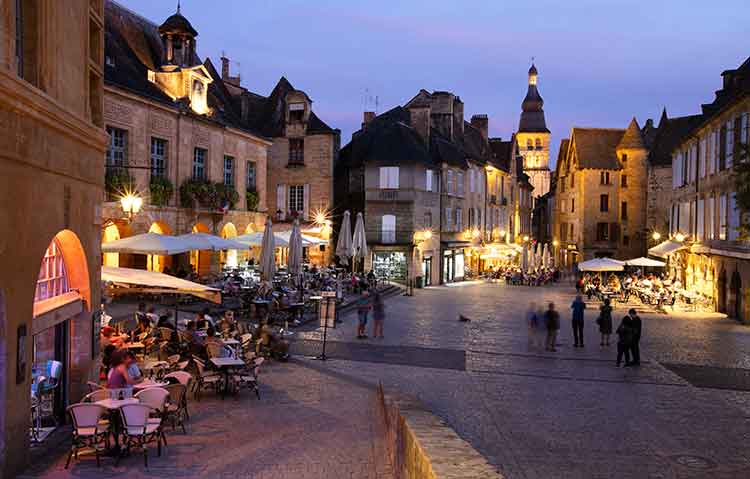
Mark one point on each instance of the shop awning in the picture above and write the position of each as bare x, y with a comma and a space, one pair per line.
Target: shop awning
148, 243
128, 280
601, 264
645, 263
665, 248
498, 251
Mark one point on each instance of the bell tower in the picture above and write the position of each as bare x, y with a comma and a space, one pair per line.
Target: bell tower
533, 137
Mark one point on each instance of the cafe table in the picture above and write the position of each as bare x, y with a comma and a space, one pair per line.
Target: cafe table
225, 365
149, 383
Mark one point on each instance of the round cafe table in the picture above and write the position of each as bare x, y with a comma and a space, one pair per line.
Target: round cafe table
149, 383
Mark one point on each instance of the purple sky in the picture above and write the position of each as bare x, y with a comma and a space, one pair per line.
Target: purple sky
600, 61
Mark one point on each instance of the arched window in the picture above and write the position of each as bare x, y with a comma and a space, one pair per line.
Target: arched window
388, 229
53, 279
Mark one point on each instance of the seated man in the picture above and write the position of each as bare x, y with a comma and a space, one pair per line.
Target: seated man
266, 338
215, 347
228, 325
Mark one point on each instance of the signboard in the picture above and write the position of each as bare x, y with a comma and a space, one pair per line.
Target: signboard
327, 310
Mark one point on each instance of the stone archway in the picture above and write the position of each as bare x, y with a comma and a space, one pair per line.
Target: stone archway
201, 260
157, 262
229, 258
735, 294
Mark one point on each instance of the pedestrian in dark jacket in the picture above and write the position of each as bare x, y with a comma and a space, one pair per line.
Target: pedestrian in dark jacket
552, 321
605, 322
578, 308
635, 347
625, 334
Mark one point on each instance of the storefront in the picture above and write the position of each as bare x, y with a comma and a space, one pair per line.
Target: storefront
453, 265
390, 264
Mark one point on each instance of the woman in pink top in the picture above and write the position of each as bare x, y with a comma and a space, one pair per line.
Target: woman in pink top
118, 376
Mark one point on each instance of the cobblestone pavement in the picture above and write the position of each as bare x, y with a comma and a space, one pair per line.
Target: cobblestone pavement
307, 425
569, 414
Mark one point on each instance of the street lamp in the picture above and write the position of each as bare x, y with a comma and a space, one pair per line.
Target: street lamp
679, 237
525, 238
656, 236
131, 204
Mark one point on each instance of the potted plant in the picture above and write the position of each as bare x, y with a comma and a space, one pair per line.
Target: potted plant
117, 181
225, 195
251, 200
194, 193
161, 190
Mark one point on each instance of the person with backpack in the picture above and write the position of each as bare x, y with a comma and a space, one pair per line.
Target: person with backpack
605, 322
552, 320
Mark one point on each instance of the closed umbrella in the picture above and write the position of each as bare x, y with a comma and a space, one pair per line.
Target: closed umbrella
294, 260
359, 241
344, 244
532, 259
268, 252
546, 258
538, 257
524, 260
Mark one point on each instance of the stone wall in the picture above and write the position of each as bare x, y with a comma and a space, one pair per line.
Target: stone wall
420, 445
659, 198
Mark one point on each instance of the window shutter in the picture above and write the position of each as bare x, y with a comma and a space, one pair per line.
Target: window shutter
281, 200
394, 177
383, 177
614, 232
734, 218
306, 201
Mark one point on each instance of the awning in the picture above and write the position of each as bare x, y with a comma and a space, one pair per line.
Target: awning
645, 263
128, 280
665, 248
147, 243
498, 251
207, 242
601, 264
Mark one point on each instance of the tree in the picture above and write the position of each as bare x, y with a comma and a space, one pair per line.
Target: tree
742, 188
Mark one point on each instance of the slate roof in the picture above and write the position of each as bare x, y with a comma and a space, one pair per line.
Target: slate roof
134, 45
562, 153
669, 134
502, 153
595, 147
532, 111
177, 24
632, 139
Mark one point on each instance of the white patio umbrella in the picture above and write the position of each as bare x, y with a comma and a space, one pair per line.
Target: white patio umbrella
645, 263
207, 242
524, 259
546, 263
359, 241
538, 258
532, 259
294, 259
148, 243
344, 244
601, 264
268, 252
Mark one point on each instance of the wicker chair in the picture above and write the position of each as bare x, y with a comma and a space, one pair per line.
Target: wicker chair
156, 399
186, 379
175, 410
249, 377
87, 431
206, 379
138, 430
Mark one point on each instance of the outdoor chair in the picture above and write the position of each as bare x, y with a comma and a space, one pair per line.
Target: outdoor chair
98, 395
185, 379
87, 431
156, 399
46, 388
93, 386
138, 430
248, 378
175, 410
206, 378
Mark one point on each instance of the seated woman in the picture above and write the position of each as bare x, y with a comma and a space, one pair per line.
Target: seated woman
227, 324
266, 338
215, 347
119, 376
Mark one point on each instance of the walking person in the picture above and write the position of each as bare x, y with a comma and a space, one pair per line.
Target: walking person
625, 340
534, 322
605, 322
635, 347
363, 309
578, 308
378, 315
552, 320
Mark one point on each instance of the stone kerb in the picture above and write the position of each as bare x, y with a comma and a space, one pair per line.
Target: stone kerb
420, 445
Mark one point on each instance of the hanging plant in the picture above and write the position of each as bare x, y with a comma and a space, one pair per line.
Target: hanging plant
195, 193
117, 182
251, 199
161, 190
225, 195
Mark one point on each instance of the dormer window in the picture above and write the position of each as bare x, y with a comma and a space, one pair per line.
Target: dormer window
296, 112
198, 97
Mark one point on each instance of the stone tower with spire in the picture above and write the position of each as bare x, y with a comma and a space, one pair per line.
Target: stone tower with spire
533, 137
632, 154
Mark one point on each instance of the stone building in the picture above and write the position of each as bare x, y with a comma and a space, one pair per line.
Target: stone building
533, 138
601, 187
713, 259
428, 183
51, 179
199, 146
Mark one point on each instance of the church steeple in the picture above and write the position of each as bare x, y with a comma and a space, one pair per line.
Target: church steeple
532, 112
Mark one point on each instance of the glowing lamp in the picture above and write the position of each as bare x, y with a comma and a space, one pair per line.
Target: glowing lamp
427, 234
656, 236
555, 243
679, 237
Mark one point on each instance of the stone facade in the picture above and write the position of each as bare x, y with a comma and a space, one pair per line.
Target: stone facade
659, 198
51, 179
716, 260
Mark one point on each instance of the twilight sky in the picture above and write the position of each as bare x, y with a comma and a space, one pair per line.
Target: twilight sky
600, 61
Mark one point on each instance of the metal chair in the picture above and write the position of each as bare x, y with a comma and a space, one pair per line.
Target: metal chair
87, 432
205, 379
249, 377
175, 410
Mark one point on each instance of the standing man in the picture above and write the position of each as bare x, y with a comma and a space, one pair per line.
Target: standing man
578, 307
552, 319
363, 309
635, 348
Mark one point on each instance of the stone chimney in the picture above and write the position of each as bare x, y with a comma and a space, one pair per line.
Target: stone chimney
368, 117
481, 123
458, 117
420, 120
225, 72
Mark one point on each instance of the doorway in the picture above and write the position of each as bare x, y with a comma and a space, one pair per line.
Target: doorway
427, 270
736, 294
